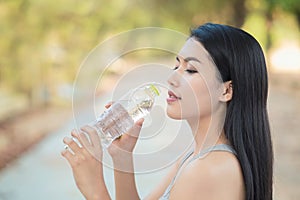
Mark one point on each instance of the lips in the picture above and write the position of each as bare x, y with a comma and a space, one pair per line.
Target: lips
172, 97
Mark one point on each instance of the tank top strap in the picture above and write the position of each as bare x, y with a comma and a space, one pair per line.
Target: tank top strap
180, 167
166, 194
218, 147
185, 158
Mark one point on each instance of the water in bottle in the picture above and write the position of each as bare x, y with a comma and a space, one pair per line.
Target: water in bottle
122, 115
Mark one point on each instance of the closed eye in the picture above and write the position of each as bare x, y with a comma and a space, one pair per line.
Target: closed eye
175, 68
191, 71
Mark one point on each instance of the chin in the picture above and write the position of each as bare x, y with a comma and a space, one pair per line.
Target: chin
174, 115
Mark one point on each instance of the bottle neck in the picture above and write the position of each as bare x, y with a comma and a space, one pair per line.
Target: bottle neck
152, 90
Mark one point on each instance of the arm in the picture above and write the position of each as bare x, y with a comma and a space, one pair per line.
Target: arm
86, 165
121, 153
125, 182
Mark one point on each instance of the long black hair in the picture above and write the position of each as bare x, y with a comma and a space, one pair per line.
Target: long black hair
239, 58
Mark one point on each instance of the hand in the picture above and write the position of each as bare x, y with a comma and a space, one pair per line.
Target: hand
85, 160
121, 149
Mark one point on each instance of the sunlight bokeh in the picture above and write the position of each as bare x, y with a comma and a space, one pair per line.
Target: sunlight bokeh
44, 43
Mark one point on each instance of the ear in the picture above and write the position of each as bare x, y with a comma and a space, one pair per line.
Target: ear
227, 92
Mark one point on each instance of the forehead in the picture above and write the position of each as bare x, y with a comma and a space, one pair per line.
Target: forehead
193, 48
207, 68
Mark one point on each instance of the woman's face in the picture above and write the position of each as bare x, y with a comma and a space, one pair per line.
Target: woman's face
194, 86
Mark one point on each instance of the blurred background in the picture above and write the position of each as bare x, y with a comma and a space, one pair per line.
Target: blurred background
43, 43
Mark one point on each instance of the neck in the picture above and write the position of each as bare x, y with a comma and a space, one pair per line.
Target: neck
208, 131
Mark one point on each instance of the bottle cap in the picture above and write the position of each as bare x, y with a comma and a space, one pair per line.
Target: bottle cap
154, 89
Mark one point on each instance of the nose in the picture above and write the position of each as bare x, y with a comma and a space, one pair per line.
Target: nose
173, 79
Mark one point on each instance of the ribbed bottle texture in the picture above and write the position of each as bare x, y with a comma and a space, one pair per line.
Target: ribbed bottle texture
122, 115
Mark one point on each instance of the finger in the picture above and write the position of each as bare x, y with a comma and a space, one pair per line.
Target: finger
68, 155
95, 139
81, 137
88, 148
127, 141
72, 144
140, 122
109, 104
136, 129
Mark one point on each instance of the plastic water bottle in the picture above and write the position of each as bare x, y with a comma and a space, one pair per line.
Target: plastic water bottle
122, 115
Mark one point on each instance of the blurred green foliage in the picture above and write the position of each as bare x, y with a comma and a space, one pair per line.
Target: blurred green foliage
292, 6
43, 42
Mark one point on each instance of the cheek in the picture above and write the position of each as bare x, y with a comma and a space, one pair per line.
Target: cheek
205, 103
191, 104
198, 101
195, 102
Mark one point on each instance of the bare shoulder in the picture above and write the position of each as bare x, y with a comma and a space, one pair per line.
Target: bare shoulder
218, 175
162, 186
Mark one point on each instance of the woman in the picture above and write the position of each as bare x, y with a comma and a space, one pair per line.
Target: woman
219, 85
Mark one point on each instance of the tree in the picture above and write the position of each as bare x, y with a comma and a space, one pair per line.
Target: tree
292, 6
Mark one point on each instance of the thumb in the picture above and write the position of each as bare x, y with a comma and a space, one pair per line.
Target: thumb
140, 122
136, 129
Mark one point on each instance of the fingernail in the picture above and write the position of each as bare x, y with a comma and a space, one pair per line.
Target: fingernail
74, 133
63, 153
67, 139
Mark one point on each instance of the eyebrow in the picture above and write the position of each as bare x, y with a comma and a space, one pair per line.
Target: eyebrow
187, 59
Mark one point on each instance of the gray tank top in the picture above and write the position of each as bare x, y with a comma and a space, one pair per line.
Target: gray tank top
219, 147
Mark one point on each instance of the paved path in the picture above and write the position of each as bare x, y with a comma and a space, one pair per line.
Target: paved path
42, 173
284, 112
